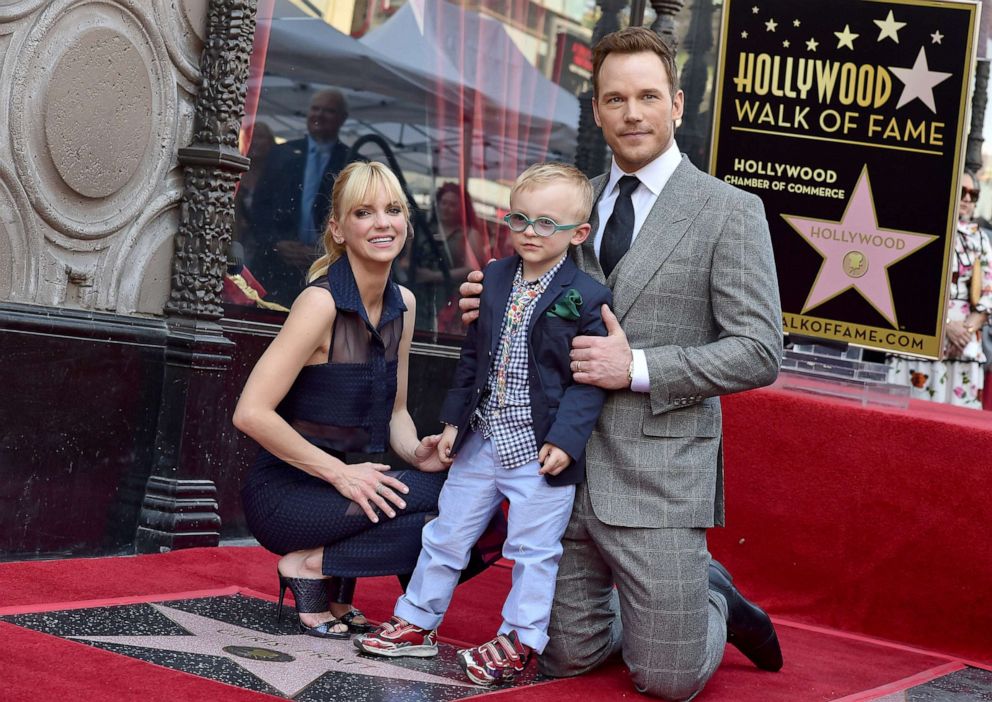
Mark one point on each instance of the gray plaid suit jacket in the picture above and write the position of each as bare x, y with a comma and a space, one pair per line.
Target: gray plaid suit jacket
697, 291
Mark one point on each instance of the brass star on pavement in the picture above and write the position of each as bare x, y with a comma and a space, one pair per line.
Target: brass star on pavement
812, 44
937, 37
770, 25
889, 28
919, 81
846, 38
288, 663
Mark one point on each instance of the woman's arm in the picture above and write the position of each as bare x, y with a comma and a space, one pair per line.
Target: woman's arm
304, 338
402, 431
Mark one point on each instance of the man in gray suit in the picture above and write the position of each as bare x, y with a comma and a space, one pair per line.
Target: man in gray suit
697, 316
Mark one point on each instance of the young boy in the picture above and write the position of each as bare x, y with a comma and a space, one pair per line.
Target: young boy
516, 428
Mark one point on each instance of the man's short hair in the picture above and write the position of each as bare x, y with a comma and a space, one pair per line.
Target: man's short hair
634, 40
551, 172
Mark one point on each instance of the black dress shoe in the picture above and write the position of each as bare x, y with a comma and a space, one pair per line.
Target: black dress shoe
748, 627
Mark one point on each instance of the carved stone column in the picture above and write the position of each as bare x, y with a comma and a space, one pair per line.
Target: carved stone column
973, 154
664, 22
179, 507
590, 152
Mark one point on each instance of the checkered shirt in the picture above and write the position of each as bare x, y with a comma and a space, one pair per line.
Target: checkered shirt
509, 424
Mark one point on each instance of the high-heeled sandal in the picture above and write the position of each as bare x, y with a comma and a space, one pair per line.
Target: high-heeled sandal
354, 627
311, 598
342, 590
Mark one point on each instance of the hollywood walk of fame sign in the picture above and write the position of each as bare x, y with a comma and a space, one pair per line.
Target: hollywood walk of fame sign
847, 118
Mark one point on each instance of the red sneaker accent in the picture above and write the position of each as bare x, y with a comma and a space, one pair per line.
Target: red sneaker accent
397, 638
499, 660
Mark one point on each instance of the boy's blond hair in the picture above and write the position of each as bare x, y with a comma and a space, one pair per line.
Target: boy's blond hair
551, 172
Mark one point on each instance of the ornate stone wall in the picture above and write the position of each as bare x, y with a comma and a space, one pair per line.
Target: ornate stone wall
96, 98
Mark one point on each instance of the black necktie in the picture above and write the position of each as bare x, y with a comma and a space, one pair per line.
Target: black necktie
619, 227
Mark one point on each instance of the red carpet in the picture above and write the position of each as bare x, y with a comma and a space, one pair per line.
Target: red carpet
821, 665
864, 519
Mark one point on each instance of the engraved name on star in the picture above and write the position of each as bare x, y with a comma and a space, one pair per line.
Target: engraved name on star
846, 38
889, 28
856, 252
303, 660
919, 82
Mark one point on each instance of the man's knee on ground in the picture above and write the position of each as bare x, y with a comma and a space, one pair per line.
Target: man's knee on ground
558, 662
666, 686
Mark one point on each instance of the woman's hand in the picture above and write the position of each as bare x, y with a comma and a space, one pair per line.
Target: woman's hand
365, 485
958, 336
426, 455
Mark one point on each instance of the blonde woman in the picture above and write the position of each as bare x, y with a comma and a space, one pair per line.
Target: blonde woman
334, 381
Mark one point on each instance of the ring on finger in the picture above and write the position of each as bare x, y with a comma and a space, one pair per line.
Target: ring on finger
380, 489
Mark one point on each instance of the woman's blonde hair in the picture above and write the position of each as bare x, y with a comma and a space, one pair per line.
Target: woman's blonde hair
355, 185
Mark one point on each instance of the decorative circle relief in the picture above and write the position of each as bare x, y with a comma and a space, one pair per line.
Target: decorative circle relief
184, 28
11, 10
93, 118
16, 258
98, 148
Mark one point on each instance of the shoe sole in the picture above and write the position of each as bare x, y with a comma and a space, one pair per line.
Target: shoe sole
402, 652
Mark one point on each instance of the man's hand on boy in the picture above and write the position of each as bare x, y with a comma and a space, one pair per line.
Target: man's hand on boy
553, 460
469, 301
445, 444
603, 361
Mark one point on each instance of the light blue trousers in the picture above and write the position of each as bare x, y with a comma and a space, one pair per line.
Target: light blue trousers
538, 514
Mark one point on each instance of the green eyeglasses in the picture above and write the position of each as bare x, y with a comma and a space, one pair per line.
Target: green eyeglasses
543, 226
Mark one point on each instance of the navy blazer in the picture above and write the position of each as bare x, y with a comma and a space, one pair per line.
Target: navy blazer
564, 412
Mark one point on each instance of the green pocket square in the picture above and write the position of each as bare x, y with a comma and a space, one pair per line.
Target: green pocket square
567, 306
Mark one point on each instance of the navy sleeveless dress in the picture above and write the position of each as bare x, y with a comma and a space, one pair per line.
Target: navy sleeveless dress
341, 406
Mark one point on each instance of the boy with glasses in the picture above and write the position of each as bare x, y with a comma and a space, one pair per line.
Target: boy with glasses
516, 428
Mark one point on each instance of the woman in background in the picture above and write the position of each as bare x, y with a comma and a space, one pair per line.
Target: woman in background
958, 377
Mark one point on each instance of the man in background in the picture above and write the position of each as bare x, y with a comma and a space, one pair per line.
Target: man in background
293, 198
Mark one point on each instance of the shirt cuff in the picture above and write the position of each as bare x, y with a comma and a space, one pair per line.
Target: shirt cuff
639, 380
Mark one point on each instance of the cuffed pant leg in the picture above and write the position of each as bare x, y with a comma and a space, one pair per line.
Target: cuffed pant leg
537, 519
467, 502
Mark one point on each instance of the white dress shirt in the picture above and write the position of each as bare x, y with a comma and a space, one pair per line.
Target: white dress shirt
653, 178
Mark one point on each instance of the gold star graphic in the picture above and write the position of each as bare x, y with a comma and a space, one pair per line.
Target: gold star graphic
936, 36
812, 44
889, 28
744, 34
785, 44
846, 38
770, 25
754, 10
796, 23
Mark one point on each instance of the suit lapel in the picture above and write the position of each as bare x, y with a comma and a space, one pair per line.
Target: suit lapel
677, 205
563, 278
501, 285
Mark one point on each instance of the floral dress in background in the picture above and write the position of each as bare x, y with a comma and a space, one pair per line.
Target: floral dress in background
957, 380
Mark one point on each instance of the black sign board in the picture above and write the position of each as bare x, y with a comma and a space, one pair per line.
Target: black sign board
847, 118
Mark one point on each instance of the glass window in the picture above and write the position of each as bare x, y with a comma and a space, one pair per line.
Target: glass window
458, 97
